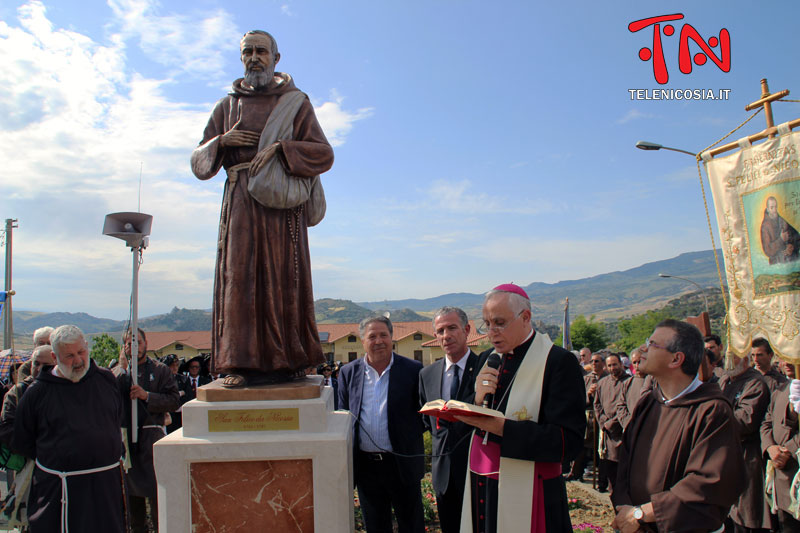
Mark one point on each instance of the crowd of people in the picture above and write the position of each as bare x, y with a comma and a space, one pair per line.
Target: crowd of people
680, 443
73, 464
738, 437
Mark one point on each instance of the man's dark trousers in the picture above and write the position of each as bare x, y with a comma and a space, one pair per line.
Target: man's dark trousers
380, 485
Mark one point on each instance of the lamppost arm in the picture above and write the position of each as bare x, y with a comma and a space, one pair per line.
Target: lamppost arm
646, 145
702, 290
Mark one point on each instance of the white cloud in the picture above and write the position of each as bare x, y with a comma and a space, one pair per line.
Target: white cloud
337, 122
462, 197
77, 122
172, 39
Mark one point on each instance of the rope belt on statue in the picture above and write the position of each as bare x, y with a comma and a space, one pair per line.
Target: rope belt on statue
64, 493
233, 177
153, 426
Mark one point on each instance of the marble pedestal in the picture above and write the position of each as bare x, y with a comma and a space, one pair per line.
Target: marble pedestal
281, 465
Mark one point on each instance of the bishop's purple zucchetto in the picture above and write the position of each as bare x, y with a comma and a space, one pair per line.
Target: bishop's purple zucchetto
510, 287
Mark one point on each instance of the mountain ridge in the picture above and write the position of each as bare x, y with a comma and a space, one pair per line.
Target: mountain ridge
611, 295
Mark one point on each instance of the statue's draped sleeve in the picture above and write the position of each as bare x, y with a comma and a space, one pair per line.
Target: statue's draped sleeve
207, 158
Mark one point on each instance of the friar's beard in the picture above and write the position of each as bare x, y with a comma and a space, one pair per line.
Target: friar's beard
73, 373
259, 79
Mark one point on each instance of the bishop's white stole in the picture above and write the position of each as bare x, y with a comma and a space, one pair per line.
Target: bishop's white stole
516, 479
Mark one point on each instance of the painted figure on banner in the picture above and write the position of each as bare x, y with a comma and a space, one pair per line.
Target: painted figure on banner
779, 240
266, 136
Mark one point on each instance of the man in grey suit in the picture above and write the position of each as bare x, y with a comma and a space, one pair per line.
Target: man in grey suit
449, 378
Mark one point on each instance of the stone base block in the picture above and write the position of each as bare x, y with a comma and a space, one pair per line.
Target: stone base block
287, 480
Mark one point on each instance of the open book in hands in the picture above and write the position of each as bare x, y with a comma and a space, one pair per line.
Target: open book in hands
448, 410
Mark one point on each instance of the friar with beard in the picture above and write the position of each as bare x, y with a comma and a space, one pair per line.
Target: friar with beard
779, 240
69, 421
263, 313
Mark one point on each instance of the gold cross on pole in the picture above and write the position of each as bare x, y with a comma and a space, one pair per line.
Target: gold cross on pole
770, 131
766, 101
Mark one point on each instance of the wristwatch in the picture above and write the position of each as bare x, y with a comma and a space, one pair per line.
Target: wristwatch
638, 514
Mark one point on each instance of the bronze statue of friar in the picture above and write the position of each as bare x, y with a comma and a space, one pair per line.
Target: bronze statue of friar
266, 136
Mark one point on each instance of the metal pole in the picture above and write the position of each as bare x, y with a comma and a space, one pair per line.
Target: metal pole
8, 329
135, 342
595, 481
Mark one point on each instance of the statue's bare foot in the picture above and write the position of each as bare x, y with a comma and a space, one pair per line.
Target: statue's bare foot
233, 381
247, 378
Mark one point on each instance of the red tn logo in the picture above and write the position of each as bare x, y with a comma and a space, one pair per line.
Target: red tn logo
684, 54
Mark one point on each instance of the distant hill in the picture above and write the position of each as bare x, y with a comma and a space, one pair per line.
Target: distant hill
611, 295
87, 323
608, 296
178, 320
402, 315
26, 322
332, 311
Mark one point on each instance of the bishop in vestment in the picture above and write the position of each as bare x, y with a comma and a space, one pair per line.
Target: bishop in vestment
514, 480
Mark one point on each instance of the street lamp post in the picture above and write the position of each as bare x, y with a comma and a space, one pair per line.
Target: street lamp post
702, 290
646, 145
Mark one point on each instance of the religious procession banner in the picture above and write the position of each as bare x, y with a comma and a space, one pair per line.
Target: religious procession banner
757, 200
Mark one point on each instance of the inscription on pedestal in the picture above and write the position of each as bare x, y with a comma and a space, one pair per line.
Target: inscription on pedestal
228, 420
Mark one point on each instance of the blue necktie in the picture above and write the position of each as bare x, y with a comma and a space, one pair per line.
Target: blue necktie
454, 383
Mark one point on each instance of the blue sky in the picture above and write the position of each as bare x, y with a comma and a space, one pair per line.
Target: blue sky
476, 142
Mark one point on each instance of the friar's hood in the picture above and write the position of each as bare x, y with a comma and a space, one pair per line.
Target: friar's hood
705, 392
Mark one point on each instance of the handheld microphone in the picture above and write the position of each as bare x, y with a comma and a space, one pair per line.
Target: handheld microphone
492, 362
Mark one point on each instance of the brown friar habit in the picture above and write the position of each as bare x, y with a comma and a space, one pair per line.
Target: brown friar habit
774, 380
632, 391
609, 392
71, 427
263, 313
780, 428
155, 378
588, 380
695, 472
749, 395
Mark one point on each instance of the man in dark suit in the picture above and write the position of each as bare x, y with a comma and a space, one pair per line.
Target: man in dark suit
195, 379
449, 378
326, 371
381, 391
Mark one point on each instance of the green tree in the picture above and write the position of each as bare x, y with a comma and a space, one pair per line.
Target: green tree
636, 329
587, 333
104, 349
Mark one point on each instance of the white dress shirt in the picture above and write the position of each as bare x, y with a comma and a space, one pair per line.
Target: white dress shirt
373, 420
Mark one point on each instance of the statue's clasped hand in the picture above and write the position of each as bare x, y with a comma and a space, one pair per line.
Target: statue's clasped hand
236, 137
263, 157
